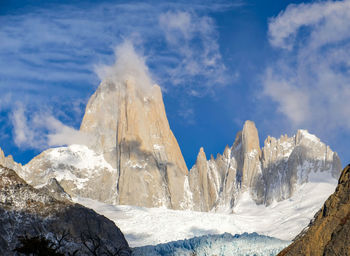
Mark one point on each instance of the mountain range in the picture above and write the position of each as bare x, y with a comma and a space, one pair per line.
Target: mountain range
132, 151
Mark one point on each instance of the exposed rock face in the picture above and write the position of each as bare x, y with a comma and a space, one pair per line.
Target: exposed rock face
269, 174
129, 126
288, 162
329, 232
203, 183
26, 210
143, 164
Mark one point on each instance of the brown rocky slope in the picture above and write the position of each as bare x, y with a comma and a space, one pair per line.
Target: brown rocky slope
329, 232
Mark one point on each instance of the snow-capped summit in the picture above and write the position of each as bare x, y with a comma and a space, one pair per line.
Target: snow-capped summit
78, 169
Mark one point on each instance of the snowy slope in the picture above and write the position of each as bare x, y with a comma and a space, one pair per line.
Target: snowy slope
219, 245
78, 169
283, 220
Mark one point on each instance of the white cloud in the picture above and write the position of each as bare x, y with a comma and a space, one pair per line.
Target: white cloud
42, 130
310, 82
176, 22
328, 21
294, 103
22, 134
128, 65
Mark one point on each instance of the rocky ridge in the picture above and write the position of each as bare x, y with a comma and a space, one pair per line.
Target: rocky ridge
26, 211
269, 174
329, 232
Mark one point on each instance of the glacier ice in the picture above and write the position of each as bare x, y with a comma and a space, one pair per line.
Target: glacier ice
219, 245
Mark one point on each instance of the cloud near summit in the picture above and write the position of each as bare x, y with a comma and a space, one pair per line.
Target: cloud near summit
128, 65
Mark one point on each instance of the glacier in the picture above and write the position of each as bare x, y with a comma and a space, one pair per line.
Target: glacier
218, 245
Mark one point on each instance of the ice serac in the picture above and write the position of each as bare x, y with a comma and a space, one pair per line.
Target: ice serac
268, 174
128, 125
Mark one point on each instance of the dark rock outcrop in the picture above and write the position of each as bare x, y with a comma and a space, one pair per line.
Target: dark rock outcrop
329, 232
26, 211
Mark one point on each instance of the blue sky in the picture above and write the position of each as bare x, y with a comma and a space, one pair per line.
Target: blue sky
283, 64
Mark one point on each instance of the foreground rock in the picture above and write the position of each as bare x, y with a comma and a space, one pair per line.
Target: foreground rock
26, 211
329, 232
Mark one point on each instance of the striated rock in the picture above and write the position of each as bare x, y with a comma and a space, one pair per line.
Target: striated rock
270, 174
25, 210
329, 232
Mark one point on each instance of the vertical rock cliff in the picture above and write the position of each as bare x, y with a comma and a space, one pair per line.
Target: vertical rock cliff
203, 182
130, 128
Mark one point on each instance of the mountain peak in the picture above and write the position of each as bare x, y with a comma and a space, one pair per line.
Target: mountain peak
250, 137
126, 123
201, 159
303, 134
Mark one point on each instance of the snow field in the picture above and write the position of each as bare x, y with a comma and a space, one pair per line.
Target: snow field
284, 220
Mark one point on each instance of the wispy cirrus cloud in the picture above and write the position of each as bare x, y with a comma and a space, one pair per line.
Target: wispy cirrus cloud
193, 41
310, 82
63, 43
